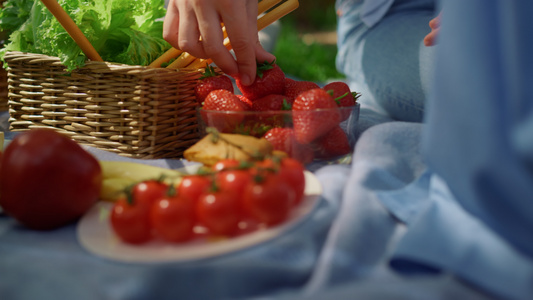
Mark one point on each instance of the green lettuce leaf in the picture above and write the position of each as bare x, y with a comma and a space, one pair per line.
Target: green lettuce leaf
14, 14
121, 31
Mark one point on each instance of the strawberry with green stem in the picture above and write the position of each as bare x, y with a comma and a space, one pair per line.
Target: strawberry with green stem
252, 128
223, 110
293, 88
247, 103
272, 111
269, 80
333, 144
272, 102
315, 113
283, 139
209, 81
344, 97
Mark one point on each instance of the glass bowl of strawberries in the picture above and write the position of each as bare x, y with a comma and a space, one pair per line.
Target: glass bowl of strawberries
300, 118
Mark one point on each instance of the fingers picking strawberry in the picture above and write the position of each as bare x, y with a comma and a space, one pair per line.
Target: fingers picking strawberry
269, 80
209, 81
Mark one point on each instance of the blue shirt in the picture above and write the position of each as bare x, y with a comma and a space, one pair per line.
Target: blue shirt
374, 10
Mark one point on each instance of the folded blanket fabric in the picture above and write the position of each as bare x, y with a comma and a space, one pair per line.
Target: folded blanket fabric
453, 220
479, 120
398, 223
471, 214
446, 237
479, 141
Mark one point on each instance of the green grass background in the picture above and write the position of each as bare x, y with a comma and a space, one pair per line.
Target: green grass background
314, 61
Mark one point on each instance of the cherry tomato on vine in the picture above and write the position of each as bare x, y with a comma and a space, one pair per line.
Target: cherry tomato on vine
192, 186
268, 201
233, 180
292, 172
224, 164
130, 221
267, 164
148, 192
219, 211
262, 168
288, 170
173, 219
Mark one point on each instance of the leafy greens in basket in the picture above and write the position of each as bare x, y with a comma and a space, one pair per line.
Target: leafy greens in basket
121, 31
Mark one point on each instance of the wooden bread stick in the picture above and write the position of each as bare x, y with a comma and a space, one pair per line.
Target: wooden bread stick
265, 5
182, 61
277, 13
167, 56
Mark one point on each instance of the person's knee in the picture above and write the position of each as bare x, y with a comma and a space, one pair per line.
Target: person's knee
393, 67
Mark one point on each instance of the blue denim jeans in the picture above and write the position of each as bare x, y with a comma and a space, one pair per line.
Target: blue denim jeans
388, 62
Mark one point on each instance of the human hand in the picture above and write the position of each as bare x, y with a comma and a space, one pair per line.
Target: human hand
431, 38
194, 26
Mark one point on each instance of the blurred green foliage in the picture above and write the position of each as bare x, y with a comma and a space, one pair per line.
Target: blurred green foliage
314, 61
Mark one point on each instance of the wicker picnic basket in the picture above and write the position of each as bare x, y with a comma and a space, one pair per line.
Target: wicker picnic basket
3, 72
135, 111
3, 88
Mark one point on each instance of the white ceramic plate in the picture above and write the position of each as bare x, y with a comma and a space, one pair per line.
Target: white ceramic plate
96, 235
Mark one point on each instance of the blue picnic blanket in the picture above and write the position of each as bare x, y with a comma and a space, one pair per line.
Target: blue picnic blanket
345, 245
383, 220
440, 210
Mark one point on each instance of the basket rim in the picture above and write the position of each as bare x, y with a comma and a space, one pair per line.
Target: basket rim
159, 102
14, 56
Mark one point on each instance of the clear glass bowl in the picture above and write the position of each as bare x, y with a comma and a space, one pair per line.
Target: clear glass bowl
323, 134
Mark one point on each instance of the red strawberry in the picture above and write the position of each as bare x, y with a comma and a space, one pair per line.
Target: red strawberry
293, 88
247, 103
211, 80
230, 108
269, 111
283, 139
269, 80
223, 100
333, 144
314, 114
271, 102
342, 95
